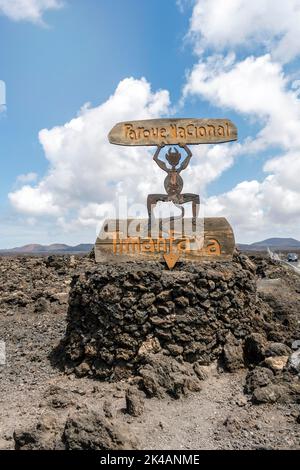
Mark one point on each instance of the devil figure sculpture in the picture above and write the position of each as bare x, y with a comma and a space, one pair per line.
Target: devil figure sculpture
173, 183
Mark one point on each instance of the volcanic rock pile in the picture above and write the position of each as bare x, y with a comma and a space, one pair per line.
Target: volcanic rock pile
158, 330
121, 315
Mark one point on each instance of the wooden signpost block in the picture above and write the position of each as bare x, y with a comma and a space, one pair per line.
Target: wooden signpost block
129, 240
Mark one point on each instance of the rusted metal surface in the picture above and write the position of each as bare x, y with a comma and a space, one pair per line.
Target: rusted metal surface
171, 259
173, 131
173, 183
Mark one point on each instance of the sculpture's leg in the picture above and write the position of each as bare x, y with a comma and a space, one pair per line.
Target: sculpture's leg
152, 200
179, 206
195, 208
195, 200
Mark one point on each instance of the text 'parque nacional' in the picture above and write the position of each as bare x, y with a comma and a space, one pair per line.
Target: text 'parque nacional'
173, 131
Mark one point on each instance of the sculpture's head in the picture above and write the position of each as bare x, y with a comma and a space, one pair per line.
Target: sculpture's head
173, 157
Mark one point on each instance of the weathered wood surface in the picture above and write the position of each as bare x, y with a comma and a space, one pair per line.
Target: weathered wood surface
173, 131
214, 241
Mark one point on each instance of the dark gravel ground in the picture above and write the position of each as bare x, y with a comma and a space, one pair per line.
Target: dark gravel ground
40, 403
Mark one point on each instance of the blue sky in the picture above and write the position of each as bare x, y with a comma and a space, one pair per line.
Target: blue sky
58, 56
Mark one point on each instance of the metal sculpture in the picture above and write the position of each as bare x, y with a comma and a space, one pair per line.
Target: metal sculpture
173, 183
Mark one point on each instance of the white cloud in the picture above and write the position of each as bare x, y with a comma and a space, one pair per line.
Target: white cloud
2, 96
259, 89
34, 201
233, 203
28, 10
255, 87
287, 167
86, 173
228, 24
183, 4
27, 178
208, 163
259, 209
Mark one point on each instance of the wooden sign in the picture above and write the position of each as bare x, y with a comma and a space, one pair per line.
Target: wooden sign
173, 131
126, 240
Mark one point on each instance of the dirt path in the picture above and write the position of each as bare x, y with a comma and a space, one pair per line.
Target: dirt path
190, 423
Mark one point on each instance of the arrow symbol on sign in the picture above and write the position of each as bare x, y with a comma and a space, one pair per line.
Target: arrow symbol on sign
171, 259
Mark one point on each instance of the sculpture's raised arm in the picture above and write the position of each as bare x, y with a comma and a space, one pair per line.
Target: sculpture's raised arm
186, 161
159, 162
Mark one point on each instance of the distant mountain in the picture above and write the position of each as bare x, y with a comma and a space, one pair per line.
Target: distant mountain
60, 248
55, 248
82, 248
35, 248
273, 243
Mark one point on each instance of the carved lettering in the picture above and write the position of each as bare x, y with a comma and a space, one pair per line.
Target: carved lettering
163, 132
173, 128
132, 135
148, 246
211, 130
213, 248
183, 245
227, 129
135, 245
172, 132
201, 131
127, 127
161, 245
221, 131
190, 130
182, 132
